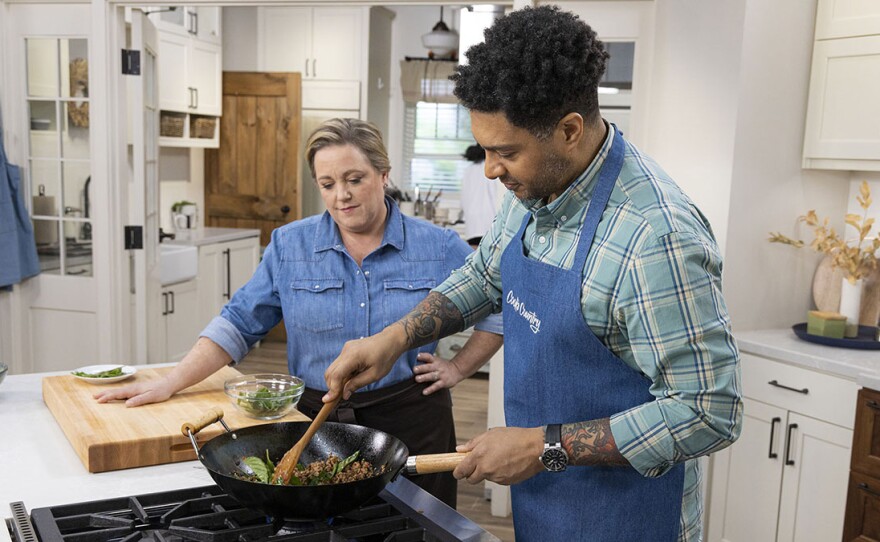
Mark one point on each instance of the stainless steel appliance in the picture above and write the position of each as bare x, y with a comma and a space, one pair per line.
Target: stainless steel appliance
402, 512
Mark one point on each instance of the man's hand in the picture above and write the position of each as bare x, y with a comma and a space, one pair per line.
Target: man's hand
140, 393
506, 455
439, 372
363, 362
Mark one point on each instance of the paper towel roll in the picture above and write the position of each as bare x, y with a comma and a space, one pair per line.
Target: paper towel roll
45, 231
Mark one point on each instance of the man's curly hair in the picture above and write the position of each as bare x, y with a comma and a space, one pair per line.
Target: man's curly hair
536, 65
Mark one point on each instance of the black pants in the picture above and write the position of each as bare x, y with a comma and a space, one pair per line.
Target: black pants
423, 423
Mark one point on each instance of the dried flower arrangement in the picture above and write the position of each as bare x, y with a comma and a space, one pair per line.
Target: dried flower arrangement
856, 259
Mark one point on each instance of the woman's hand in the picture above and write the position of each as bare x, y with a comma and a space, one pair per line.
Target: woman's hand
139, 393
441, 373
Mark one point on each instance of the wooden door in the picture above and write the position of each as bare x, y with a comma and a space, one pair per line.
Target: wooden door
252, 180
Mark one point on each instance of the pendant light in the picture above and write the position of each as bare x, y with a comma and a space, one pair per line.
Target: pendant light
440, 41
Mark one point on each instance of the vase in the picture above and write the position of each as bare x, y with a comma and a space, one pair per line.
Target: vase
850, 305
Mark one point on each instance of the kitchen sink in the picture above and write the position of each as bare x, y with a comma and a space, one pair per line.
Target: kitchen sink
177, 263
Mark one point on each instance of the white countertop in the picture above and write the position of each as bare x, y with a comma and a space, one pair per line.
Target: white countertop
862, 366
41, 468
208, 236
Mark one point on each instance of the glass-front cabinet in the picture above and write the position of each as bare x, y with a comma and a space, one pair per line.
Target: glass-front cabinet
59, 160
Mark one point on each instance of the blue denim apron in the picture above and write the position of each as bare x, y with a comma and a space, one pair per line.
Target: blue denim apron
557, 371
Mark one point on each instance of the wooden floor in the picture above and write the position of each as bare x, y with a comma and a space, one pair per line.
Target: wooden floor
469, 408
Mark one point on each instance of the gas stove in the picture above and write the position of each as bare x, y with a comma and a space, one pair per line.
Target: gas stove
401, 512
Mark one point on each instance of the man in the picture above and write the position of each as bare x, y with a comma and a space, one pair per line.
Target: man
619, 360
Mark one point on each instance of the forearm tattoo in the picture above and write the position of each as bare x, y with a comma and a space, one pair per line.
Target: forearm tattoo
591, 443
432, 319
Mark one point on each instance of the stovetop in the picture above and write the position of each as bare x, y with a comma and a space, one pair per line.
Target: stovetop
402, 512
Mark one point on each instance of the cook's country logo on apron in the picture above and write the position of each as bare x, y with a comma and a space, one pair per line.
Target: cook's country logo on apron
520, 308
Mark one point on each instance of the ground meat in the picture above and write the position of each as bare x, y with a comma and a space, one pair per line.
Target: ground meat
317, 470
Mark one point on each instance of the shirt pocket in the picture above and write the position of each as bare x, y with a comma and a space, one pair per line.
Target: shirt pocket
318, 304
402, 295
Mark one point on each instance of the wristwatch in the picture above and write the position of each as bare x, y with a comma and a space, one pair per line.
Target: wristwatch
554, 457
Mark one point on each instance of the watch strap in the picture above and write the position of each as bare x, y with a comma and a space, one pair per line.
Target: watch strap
553, 434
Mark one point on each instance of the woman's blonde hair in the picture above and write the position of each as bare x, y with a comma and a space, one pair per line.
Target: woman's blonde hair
362, 134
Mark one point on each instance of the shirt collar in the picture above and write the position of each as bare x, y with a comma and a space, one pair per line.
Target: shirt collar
327, 234
574, 199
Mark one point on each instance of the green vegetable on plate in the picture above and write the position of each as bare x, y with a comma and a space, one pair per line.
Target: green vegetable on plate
103, 374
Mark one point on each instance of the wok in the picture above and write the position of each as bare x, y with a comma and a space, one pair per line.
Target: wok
222, 457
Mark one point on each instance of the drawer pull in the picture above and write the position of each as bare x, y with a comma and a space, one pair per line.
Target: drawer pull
788, 446
789, 388
773, 422
867, 489
874, 404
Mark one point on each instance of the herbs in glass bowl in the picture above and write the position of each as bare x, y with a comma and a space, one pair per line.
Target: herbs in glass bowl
264, 396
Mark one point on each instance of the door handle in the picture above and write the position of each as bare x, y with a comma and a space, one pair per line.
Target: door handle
164, 303
867, 489
874, 405
773, 422
228, 293
307, 67
197, 98
314, 67
788, 446
285, 209
172, 303
789, 388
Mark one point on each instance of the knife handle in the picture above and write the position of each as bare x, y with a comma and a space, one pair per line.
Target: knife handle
213, 415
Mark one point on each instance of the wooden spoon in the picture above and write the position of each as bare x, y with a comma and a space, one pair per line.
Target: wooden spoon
286, 466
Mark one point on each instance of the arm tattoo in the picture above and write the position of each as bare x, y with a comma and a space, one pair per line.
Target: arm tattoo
432, 319
591, 443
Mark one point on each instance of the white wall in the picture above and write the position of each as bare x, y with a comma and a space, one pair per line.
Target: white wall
769, 285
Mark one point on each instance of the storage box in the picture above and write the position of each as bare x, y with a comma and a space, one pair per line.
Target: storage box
171, 124
203, 127
826, 324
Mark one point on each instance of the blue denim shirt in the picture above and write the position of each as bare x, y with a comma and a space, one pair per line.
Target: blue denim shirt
307, 276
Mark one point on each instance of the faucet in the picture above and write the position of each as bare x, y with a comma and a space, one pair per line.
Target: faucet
163, 235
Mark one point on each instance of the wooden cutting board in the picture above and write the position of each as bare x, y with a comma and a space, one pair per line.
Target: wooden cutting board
110, 436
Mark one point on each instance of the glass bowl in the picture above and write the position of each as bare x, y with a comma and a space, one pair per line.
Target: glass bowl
264, 396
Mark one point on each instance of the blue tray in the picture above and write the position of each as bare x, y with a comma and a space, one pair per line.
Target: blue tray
866, 339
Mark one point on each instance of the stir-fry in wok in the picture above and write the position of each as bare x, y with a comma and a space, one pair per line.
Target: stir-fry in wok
332, 470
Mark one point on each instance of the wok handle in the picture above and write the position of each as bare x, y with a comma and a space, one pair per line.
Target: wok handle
213, 415
433, 463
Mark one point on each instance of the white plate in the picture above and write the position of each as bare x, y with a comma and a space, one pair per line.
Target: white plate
127, 372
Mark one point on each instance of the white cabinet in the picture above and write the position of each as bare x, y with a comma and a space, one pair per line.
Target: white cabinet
323, 43
223, 269
786, 477
200, 22
843, 110
180, 323
190, 77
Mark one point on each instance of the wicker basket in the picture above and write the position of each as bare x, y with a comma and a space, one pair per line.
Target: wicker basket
171, 124
203, 127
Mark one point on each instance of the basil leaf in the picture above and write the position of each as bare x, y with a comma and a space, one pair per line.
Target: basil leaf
260, 470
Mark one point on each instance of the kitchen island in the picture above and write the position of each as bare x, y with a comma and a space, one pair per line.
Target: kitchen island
41, 469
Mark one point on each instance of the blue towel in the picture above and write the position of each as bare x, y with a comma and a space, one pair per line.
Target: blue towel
18, 251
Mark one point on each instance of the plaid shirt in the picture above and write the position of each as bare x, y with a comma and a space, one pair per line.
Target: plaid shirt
652, 294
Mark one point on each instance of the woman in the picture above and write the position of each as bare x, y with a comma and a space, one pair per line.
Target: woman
343, 275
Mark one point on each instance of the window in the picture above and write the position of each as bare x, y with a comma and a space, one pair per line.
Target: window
435, 137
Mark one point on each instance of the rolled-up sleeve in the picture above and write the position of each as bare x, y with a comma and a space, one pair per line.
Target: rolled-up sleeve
671, 311
252, 312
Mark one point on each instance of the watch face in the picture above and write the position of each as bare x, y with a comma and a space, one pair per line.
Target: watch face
554, 459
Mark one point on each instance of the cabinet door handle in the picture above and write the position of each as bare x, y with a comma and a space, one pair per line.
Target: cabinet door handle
874, 404
196, 106
228, 291
172, 303
307, 67
789, 388
788, 446
867, 489
314, 67
164, 303
195, 23
773, 422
